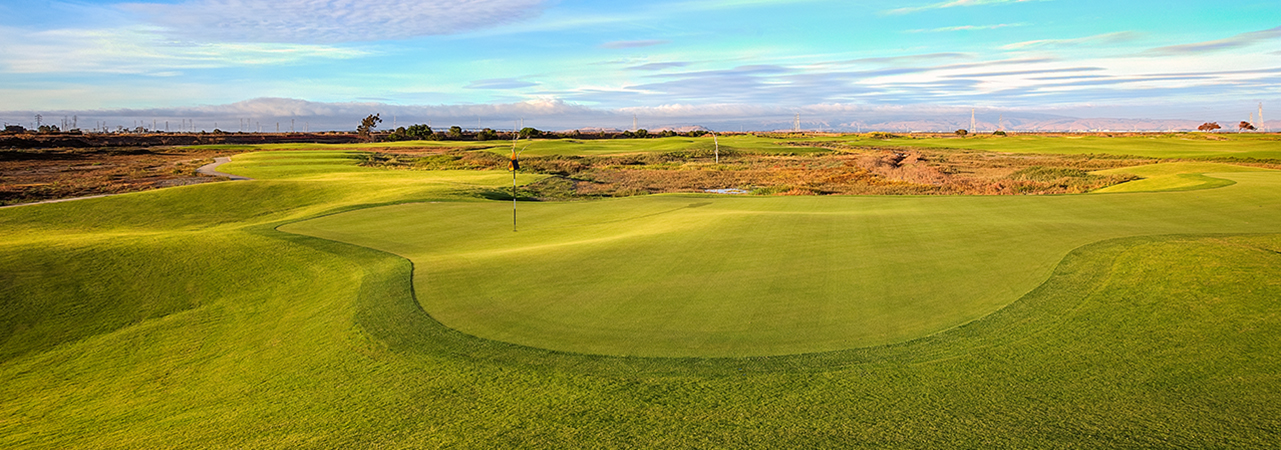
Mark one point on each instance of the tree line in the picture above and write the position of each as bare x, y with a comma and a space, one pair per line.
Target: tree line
422, 132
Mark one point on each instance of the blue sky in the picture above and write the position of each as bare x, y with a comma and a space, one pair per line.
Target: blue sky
583, 62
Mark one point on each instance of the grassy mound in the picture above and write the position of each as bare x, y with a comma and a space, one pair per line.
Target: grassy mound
694, 276
256, 338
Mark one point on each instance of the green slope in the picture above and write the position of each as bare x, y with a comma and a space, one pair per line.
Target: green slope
699, 276
292, 341
1192, 145
1178, 176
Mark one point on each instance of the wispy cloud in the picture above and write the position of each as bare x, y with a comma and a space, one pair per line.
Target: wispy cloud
1107, 38
633, 44
142, 50
1024, 72
1238, 41
967, 28
659, 66
907, 59
1071, 77
329, 21
501, 83
953, 4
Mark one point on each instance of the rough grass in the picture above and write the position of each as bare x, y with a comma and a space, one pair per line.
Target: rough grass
1153, 342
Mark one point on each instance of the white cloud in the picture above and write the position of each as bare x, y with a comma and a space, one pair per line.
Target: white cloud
953, 4
141, 50
330, 21
633, 44
967, 28
1107, 38
1240, 40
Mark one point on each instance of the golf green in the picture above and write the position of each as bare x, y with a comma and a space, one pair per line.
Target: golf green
726, 276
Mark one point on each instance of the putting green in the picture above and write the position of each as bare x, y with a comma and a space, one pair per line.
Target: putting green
724, 276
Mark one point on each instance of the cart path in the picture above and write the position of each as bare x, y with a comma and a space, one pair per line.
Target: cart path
212, 169
207, 169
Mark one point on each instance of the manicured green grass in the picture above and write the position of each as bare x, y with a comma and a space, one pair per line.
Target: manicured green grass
695, 276
1193, 146
214, 330
359, 146
1177, 176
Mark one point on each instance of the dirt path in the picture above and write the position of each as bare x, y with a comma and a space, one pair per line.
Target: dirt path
212, 169
207, 169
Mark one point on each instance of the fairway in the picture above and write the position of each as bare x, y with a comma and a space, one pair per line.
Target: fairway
1173, 145
208, 316
707, 276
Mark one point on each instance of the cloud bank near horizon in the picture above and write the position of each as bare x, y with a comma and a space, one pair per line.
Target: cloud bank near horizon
267, 113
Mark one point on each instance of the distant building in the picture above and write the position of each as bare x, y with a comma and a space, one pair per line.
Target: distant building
14, 129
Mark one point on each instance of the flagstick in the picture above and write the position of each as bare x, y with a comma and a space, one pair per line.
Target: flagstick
514, 200
514, 166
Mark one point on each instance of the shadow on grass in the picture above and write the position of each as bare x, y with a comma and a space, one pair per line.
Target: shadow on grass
387, 308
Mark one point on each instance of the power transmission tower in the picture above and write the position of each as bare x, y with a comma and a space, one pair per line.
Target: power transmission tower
635, 123
796, 123
972, 127
1263, 126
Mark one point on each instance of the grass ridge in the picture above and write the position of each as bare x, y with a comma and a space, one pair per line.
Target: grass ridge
388, 308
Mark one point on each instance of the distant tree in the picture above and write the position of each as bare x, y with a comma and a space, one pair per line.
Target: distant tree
398, 134
419, 132
697, 133
998, 133
667, 133
367, 126
530, 132
1209, 126
486, 135
1245, 126
455, 132
48, 129
962, 132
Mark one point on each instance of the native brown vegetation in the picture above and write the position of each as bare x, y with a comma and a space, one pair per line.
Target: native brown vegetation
35, 175
841, 171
